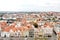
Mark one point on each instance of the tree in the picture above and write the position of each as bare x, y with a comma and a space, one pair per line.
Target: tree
35, 25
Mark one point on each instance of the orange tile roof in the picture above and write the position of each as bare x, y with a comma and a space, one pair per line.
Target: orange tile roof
7, 29
14, 29
20, 28
3, 25
58, 33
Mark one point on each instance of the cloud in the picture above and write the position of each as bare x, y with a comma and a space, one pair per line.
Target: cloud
29, 5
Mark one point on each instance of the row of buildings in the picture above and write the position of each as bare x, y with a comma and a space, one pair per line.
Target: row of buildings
24, 24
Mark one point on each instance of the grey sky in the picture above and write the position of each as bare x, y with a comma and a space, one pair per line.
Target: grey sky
30, 5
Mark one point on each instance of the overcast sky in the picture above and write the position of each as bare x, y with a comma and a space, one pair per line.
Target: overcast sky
30, 5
